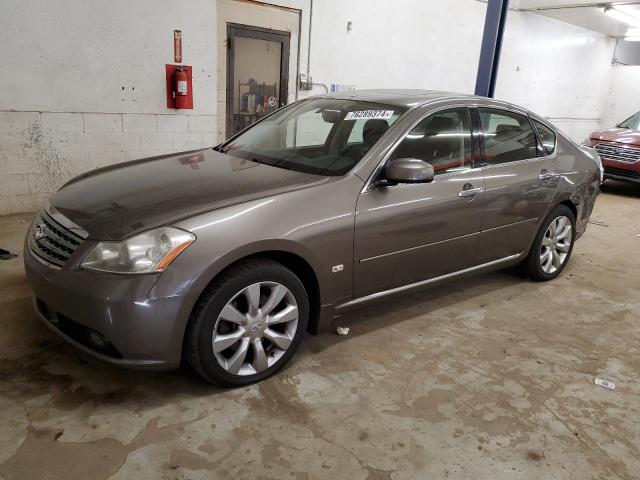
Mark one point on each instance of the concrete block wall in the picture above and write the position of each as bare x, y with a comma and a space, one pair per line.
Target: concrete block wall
40, 151
87, 88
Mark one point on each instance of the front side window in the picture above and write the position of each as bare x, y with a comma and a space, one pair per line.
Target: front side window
632, 122
322, 136
547, 136
508, 136
442, 140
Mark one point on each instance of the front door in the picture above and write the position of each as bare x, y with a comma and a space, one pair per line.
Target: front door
407, 233
257, 74
521, 180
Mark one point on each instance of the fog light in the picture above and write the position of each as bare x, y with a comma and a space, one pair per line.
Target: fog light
98, 340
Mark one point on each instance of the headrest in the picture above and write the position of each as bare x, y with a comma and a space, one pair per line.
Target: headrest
441, 124
373, 129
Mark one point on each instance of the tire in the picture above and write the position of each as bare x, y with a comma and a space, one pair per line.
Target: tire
545, 268
227, 352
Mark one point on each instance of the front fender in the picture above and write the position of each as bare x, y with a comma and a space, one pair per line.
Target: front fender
172, 282
315, 224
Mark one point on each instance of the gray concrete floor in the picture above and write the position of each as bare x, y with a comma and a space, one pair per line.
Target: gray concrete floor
489, 377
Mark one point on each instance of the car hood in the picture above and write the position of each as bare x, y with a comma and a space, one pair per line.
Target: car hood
627, 136
116, 202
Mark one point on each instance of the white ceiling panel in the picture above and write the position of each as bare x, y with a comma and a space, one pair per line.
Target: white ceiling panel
583, 13
531, 4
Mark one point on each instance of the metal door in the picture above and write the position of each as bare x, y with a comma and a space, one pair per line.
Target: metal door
257, 74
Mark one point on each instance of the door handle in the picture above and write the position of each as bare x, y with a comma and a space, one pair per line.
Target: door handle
546, 175
470, 192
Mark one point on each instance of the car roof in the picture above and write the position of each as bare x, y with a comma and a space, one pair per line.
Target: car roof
413, 97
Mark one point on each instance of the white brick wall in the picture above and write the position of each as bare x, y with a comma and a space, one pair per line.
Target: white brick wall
102, 122
172, 123
40, 151
139, 123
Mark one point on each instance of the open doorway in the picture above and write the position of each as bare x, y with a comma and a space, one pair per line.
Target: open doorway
257, 74
258, 50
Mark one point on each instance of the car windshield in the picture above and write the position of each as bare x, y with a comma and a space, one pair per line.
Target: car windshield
632, 122
322, 136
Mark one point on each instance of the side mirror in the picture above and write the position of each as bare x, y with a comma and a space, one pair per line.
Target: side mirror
409, 170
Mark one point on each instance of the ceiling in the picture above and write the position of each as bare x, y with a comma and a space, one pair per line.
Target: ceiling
583, 13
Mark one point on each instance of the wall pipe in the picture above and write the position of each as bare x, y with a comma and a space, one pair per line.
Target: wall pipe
491, 47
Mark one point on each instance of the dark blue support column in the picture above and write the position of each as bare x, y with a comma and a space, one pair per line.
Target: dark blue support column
491, 45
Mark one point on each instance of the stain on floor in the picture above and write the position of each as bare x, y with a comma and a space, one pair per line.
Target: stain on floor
485, 377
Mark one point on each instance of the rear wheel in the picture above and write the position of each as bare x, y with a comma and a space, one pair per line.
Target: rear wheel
248, 324
553, 245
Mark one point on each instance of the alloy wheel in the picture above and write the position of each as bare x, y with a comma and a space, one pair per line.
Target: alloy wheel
255, 328
556, 244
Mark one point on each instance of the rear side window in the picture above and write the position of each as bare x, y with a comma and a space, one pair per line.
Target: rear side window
442, 139
508, 136
547, 136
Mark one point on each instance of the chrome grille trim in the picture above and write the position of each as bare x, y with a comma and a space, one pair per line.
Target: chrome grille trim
618, 153
50, 242
65, 222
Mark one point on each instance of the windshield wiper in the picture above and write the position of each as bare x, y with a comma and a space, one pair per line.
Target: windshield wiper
276, 164
257, 160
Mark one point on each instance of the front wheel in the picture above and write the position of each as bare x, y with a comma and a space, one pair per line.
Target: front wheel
248, 324
553, 245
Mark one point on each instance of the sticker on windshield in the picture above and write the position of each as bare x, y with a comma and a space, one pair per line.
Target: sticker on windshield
369, 114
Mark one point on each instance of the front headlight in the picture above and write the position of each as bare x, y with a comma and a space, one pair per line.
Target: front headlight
148, 252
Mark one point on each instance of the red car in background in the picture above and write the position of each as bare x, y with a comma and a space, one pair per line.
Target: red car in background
619, 149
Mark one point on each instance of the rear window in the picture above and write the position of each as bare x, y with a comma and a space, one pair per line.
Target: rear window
547, 136
508, 136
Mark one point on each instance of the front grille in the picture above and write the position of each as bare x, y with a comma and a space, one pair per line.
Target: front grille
622, 173
618, 153
50, 241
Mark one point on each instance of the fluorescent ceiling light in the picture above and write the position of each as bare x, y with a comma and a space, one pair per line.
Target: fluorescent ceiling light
631, 10
622, 16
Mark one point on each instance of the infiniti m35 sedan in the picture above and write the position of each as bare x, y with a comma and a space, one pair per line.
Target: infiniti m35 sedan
225, 257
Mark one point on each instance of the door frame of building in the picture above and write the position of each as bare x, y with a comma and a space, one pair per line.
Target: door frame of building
259, 33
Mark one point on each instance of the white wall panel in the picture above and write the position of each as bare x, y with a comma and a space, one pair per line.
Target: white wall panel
397, 44
557, 70
89, 56
623, 99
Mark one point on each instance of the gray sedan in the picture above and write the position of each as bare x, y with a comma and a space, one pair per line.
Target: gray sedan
225, 257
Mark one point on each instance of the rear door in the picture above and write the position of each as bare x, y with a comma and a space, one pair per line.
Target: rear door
521, 179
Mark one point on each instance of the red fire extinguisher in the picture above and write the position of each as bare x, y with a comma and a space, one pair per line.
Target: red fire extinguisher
180, 87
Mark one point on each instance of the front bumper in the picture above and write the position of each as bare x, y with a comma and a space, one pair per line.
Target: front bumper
111, 316
621, 174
